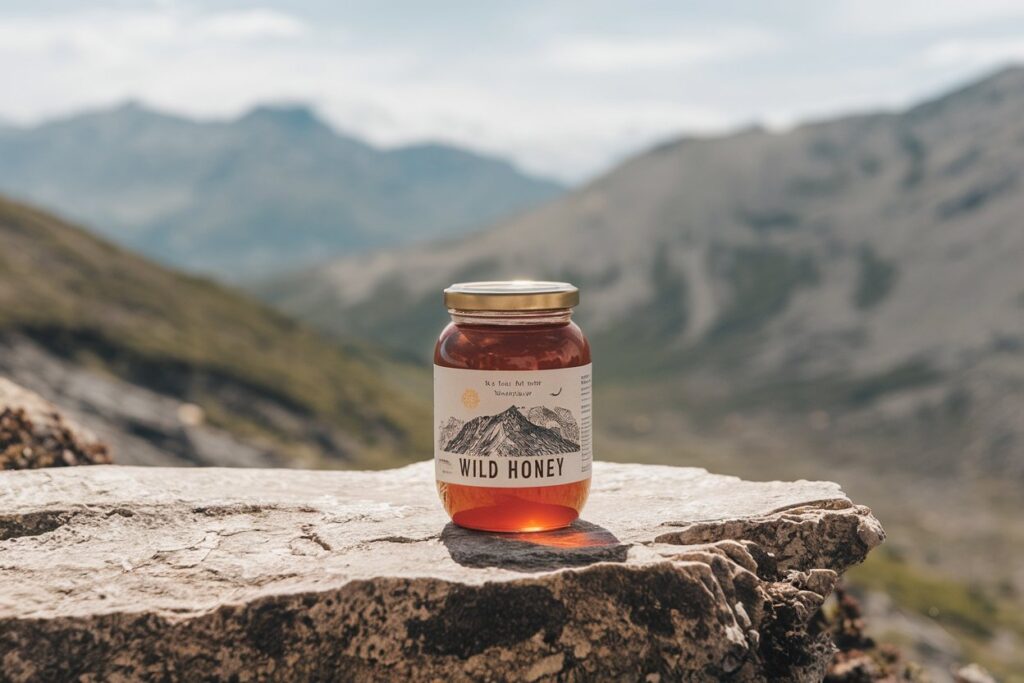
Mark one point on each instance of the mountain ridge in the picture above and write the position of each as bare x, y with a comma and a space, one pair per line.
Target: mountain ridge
272, 188
509, 433
842, 273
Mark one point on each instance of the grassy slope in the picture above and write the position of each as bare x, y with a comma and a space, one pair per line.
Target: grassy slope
190, 337
968, 611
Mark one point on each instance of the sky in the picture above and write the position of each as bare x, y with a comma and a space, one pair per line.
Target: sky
564, 89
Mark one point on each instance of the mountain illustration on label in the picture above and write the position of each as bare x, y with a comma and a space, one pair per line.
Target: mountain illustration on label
558, 420
449, 429
510, 433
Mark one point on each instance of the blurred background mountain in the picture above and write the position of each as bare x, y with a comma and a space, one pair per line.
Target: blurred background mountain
832, 291
270, 190
858, 277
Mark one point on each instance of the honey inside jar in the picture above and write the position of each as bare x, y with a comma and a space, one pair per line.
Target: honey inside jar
512, 407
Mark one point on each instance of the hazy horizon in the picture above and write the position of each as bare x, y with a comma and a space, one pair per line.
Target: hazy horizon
562, 91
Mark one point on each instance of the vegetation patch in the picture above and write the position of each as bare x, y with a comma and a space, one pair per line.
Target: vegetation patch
963, 162
909, 375
976, 197
970, 613
917, 157
948, 602
875, 278
836, 391
645, 342
762, 281
768, 221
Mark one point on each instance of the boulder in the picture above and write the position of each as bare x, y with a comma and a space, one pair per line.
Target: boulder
122, 573
34, 433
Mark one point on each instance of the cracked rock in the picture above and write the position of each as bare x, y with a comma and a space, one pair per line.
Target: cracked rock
118, 573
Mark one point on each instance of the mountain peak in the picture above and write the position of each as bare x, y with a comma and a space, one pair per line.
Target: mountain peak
1004, 87
513, 416
261, 192
295, 117
118, 121
131, 110
130, 105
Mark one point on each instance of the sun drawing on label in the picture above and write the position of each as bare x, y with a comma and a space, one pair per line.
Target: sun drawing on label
470, 398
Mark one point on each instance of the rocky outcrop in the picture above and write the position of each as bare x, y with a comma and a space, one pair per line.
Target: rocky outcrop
33, 433
860, 659
123, 573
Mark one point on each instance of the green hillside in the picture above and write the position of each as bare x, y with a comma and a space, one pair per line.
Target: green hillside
256, 374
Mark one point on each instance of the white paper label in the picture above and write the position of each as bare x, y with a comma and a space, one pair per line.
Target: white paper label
512, 429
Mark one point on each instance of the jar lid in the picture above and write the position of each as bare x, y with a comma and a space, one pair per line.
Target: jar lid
511, 295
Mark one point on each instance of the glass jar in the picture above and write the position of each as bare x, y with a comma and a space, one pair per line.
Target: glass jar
512, 407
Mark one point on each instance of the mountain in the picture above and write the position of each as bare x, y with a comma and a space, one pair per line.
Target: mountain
448, 430
508, 433
274, 189
851, 286
558, 419
172, 369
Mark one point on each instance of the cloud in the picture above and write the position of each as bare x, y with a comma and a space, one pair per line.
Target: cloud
222, 63
560, 92
604, 54
886, 17
566, 135
136, 33
973, 53
252, 24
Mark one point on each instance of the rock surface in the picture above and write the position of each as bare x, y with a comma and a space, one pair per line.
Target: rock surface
115, 573
33, 433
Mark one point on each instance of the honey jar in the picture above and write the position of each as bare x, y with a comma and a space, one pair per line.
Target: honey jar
512, 406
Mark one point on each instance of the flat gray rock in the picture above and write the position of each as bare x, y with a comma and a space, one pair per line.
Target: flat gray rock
118, 573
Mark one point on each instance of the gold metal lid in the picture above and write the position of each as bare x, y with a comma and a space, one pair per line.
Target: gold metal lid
511, 295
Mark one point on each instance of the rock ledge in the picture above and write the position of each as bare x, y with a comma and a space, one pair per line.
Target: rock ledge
111, 573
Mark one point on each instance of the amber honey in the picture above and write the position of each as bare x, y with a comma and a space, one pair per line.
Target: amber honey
512, 407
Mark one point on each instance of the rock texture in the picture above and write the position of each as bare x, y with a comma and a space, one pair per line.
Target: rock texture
33, 433
117, 573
